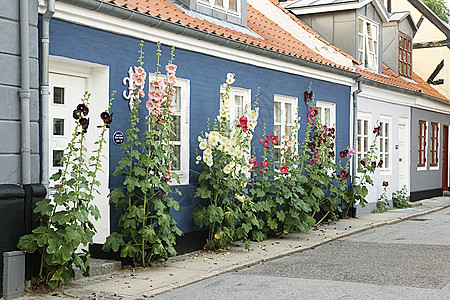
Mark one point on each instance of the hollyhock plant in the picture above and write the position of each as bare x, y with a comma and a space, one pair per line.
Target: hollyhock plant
226, 165
147, 169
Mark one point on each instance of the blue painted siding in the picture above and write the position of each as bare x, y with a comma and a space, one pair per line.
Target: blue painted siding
206, 74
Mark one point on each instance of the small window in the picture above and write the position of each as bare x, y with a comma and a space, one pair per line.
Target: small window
58, 127
368, 36
285, 118
232, 6
434, 149
240, 102
422, 152
58, 95
57, 158
404, 56
362, 135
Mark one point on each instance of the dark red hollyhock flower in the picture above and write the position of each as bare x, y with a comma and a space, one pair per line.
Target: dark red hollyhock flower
76, 114
363, 163
377, 130
316, 112
107, 118
83, 108
308, 96
380, 163
332, 130
332, 154
332, 145
312, 145
344, 174
343, 154
385, 183
84, 122
374, 164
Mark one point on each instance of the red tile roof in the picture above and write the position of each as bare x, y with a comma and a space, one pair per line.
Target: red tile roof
273, 37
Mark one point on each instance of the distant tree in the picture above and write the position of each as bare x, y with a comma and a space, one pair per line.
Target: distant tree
439, 7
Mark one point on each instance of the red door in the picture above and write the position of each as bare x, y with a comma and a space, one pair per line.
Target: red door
445, 158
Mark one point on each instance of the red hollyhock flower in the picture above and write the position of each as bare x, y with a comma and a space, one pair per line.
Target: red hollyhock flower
385, 183
363, 163
374, 164
343, 154
380, 163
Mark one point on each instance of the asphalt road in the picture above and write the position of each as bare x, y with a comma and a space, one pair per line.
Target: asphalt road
407, 260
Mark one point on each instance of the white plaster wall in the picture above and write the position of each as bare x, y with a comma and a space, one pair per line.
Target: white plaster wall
383, 103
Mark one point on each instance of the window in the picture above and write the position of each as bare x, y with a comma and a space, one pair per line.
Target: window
229, 5
58, 126
362, 135
327, 113
240, 102
404, 55
422, 144
285, 118
368, 43
434, 149
58, 95
385, 143
179, 140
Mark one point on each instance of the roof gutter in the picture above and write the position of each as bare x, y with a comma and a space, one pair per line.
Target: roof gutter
355, 125
148, 20
401, 90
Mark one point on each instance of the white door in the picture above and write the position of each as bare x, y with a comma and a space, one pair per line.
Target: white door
402, 154
66, 93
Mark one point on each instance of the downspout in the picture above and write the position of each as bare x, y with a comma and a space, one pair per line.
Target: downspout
355, 125
45, 91
25, 94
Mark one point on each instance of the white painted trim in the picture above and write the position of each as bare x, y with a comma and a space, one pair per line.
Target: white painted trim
78, 15
405, 121
97, 78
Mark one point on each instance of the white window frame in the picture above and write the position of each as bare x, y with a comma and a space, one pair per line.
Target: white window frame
225, 7
283, 100
382, 141
360, 154
183, 173
437, 146
323, 106
423, 168
364, 53
246, 95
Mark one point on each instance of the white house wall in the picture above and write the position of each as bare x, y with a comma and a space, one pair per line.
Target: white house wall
381, 103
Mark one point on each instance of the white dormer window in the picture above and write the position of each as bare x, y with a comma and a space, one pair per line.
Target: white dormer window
227, 5
368, 37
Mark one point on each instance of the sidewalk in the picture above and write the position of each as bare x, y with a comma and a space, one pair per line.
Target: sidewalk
192, 267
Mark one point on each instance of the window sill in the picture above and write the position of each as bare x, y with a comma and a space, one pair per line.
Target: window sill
422, 168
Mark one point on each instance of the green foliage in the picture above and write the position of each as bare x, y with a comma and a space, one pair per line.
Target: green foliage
383, 201
148, 229
400, 198
439, 7
65, 223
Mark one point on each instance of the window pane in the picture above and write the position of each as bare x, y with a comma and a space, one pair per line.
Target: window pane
277, 156
176, 135
381, 144
176, 164
327, 116
288, 111
386, 161
177, 100
58, 126
58, 95
366, 127
366, 144
289, 130
360, 26
358, 144
359, 127
277, 107
386, 129
277, 129
386, 145
57, 158
232, 4
219, 2
239, 107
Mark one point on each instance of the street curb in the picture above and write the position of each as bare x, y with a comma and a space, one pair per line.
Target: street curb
298, 250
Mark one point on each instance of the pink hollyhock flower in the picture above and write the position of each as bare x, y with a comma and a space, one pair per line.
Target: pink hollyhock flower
266, 163
253, 163
266, 169
261, 164
138, 79
266, 144
171, 68
261, 171
157, 84
140, 70
284, 169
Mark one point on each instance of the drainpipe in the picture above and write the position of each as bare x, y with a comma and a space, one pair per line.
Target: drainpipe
45, 91
355, 125
25, 93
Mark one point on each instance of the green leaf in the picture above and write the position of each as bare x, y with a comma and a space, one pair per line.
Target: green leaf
44, 207
114, 242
